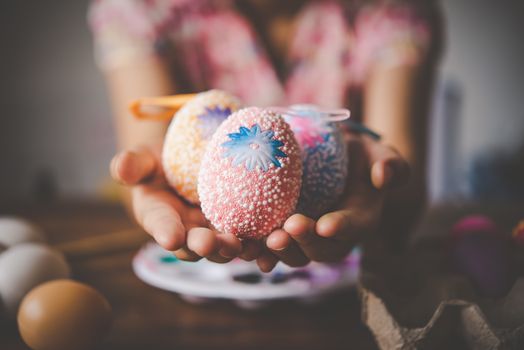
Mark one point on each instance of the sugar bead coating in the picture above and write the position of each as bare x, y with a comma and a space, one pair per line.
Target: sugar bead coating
187, 137
325, 161
251, 174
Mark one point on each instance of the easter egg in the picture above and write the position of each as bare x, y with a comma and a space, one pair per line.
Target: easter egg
187, 137
64, 314
251, 173
14, 231
324, 156
483, 254
25, 266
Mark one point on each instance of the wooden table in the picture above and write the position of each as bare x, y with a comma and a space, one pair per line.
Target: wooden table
149, 318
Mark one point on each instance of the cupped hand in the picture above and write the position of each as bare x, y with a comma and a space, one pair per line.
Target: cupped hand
373, 169
174, 224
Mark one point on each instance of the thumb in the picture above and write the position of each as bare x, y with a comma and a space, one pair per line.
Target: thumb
133, 167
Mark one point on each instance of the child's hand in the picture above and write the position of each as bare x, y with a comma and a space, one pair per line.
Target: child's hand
175, 225
374, 167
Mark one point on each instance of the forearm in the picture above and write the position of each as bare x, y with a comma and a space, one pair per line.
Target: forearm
148, 76
397, 101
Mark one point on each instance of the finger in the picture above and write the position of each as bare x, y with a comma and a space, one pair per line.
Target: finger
187, 255
302, 230
192, 217
229, 248
230, 245
215, 247
266, 261
316, 248
219, 259
283, 247
344, 225
251, 249
130, 167
333, 224
388, 168
202, 241
390, 173
155, 212
278, 240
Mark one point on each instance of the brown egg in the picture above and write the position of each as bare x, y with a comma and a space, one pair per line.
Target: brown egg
63, 314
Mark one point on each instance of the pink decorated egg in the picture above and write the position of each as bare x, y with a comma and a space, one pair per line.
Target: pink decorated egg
250, 176
187, 137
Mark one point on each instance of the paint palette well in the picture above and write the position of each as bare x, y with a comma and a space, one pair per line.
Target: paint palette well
241, 281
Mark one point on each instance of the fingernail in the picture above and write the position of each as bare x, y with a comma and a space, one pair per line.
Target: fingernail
272, 243
269, 245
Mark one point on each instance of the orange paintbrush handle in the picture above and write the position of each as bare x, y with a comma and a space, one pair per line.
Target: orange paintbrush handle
169, 104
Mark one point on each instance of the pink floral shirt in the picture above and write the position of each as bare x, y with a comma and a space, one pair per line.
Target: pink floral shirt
212, 45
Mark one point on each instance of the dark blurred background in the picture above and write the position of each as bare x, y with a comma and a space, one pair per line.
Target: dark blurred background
56, 134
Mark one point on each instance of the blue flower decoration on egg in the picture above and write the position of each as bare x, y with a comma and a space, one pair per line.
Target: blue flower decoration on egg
254, 148
211, 120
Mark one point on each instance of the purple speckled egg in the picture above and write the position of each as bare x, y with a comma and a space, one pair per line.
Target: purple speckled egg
324, 157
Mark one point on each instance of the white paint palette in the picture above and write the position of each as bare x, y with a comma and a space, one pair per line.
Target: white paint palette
241, 281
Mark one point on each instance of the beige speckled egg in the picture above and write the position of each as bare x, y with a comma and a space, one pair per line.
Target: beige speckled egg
187, 137
64, 315
25, 266
14, 231
251, 174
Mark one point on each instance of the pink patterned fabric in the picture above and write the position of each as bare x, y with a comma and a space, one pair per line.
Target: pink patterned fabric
392, 34
319, 55
212, 45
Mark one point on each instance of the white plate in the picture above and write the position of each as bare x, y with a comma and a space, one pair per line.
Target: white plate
242, 281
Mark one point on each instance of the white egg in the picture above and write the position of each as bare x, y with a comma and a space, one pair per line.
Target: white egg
25, 266
14, 231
